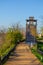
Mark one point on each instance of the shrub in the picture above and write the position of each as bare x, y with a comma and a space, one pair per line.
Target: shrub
13, 35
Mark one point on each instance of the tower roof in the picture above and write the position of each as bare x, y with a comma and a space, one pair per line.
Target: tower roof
31, 19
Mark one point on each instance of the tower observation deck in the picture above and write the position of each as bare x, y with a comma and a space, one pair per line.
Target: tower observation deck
31, 30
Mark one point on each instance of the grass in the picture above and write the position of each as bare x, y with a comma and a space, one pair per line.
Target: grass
39, 56
3, 53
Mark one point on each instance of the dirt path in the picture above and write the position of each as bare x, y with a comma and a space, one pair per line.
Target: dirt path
22, 56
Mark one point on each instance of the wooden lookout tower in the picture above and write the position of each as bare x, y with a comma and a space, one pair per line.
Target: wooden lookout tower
31, 30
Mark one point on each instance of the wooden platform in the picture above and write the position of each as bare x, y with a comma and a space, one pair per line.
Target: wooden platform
22, 56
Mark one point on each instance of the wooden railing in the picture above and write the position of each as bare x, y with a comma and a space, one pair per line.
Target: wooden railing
39, 42
4, 59
40, 52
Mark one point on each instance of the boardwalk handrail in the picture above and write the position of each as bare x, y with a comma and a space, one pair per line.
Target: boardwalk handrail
2, 61
40, 52
39, 42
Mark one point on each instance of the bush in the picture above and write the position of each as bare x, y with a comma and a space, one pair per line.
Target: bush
13, 35
40, 46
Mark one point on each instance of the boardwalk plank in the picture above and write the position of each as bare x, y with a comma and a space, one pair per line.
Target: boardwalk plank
22, 56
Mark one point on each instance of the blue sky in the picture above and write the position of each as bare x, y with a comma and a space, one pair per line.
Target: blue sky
13, 11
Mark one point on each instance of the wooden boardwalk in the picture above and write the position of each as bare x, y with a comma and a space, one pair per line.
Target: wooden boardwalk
22, 56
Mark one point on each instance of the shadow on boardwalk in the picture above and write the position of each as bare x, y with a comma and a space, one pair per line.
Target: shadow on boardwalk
22, 56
